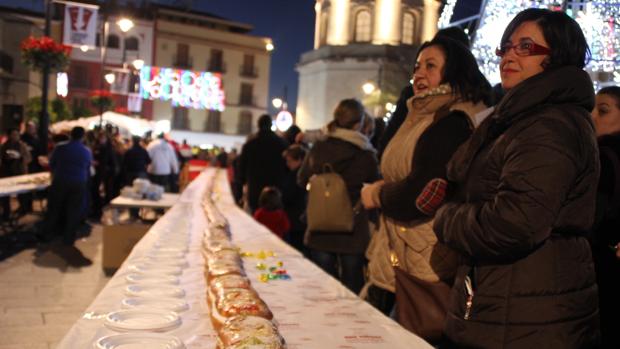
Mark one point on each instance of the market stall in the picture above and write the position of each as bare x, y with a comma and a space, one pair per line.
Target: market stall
310, 309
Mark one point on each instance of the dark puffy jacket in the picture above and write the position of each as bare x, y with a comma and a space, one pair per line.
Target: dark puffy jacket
526, 187
356, 166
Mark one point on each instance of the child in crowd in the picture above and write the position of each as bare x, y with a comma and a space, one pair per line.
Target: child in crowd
270, 212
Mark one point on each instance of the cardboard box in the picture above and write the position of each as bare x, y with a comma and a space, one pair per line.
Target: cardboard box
118, 241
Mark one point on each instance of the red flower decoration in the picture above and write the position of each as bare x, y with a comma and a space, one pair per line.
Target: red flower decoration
44, 52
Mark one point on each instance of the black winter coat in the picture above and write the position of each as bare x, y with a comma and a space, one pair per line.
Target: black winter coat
261, 164
356, 167
526, 188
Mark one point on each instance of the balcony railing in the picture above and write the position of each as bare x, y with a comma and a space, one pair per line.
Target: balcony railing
182, 62
217, 67
247, 100
248, 71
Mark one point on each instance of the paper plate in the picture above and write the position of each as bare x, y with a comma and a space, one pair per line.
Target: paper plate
163, 261
142, 320
166, 253
138, 278
172, 304
150, 290
155, 269
139, 341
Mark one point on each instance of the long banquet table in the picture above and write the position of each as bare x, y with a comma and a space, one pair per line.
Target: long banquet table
24, 183
312, 309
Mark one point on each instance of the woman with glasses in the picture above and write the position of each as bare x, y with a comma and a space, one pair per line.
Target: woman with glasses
524, 188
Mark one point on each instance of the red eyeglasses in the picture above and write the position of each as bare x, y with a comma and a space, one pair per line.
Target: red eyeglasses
525, 48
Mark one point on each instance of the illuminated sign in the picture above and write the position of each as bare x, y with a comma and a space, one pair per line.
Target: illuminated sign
284, 120
62, 84
184, 88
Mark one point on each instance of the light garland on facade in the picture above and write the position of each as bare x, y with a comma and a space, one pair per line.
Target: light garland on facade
599, 20
446, 14
495, 19
184, 88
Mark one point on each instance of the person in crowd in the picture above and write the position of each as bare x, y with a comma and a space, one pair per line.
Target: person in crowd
106, 168
400, 113
449, 90
135, 162
222, 158
31, 139
261, 163
606, 232
351, 155
291, 134
270, 212
524, 191
70, 165
294, 197
163, 162
14, 160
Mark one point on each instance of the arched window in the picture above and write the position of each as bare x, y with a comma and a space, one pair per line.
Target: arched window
362, 26
408, 28
113, 41
131, 44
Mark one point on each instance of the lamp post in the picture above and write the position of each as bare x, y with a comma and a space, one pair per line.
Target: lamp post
44, 119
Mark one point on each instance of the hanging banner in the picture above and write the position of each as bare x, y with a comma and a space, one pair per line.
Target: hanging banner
80, 27
183, 88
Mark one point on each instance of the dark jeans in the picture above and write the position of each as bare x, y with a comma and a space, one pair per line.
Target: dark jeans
64, 210
99, 202
24, 203
346, 267
163, 180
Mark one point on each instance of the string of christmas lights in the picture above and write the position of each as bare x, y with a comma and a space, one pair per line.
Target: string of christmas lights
446, 14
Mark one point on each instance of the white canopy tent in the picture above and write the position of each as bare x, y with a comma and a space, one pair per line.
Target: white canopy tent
129, 126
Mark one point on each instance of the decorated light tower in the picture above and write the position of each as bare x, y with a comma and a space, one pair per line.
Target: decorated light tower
599, 20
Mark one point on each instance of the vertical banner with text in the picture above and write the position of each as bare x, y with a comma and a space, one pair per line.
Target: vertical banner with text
80, 26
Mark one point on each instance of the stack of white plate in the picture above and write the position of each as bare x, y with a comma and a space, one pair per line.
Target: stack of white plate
150, 320
139, 341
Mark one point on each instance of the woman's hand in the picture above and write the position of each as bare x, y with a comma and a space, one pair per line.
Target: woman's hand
370, 193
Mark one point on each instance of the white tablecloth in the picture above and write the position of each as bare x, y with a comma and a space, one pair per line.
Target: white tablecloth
312, 309
24, 183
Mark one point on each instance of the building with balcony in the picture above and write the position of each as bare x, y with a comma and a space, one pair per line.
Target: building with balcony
198, 41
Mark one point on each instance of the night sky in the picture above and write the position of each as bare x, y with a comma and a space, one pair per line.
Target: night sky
290, 23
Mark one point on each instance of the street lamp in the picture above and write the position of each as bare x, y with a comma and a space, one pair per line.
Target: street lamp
277, 103
110, 78
368, 88
138, 63
125, 24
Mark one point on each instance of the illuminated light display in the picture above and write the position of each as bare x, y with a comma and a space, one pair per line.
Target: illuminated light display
446, 14
183, 88
599, 20
62, 84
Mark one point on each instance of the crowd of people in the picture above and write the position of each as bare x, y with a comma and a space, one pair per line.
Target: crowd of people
482, 216
89, 169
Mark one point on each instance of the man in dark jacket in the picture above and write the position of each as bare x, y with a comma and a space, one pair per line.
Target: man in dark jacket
135, 161
31, 139
70, 164
261, 163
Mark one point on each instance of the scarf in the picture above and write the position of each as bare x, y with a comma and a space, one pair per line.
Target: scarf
354, 137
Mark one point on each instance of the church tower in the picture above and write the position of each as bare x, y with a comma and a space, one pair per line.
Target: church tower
358, 42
